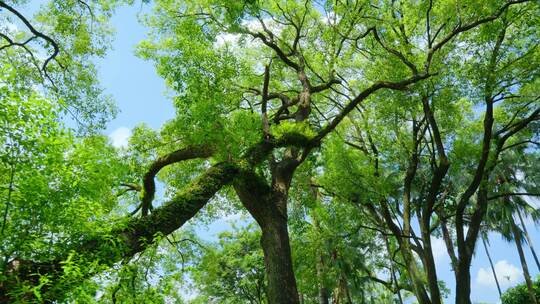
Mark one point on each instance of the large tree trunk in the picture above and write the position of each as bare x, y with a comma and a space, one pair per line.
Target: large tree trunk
517, 240
278, 262
491, 265
267, 205
463, 281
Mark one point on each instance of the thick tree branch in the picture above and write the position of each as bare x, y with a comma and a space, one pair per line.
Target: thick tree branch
149, 185
271, 44
396, 53
139, 232
480, 171
440, 170
264, 102
124, 242
520, 125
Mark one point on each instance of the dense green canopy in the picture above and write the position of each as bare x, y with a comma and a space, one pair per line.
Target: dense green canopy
348, 133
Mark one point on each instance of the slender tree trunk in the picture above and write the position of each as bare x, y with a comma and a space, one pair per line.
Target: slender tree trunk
342, 293
429, 265
323, 290
433, 282
320, 264
466, 244
398, 290
8, 200
492, 267
415, 276
393, 270
528, 238
463, 288
417, 283
517, 240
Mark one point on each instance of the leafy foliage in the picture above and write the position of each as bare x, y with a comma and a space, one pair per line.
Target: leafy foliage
337, 125
518, 294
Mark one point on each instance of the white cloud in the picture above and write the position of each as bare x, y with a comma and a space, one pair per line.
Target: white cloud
120, 136
507, 274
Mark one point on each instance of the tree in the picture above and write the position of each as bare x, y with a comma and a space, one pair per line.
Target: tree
233, 272
529, 241
249, 116
436, 167
519, 294
484, 242
506, 205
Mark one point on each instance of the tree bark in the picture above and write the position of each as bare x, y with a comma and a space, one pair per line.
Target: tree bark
342, 294
466, 244
320, 268
277, 259
429, 265
319, 255
418, 285
463, 281
267, 205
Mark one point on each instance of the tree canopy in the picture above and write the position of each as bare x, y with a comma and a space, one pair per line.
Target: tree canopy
350, 134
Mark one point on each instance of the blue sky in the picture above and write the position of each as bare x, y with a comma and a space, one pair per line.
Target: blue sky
141, 97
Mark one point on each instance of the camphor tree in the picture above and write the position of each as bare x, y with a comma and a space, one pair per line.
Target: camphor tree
259, 87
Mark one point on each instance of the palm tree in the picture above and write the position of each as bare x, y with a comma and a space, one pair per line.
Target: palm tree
528, 238
517, 177
484, 241
516, 232
500, 219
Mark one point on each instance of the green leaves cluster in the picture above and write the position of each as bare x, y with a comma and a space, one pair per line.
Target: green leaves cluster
519, 294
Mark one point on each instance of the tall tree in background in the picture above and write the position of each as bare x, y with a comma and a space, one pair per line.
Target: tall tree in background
495, 277
528, 238
446, 152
